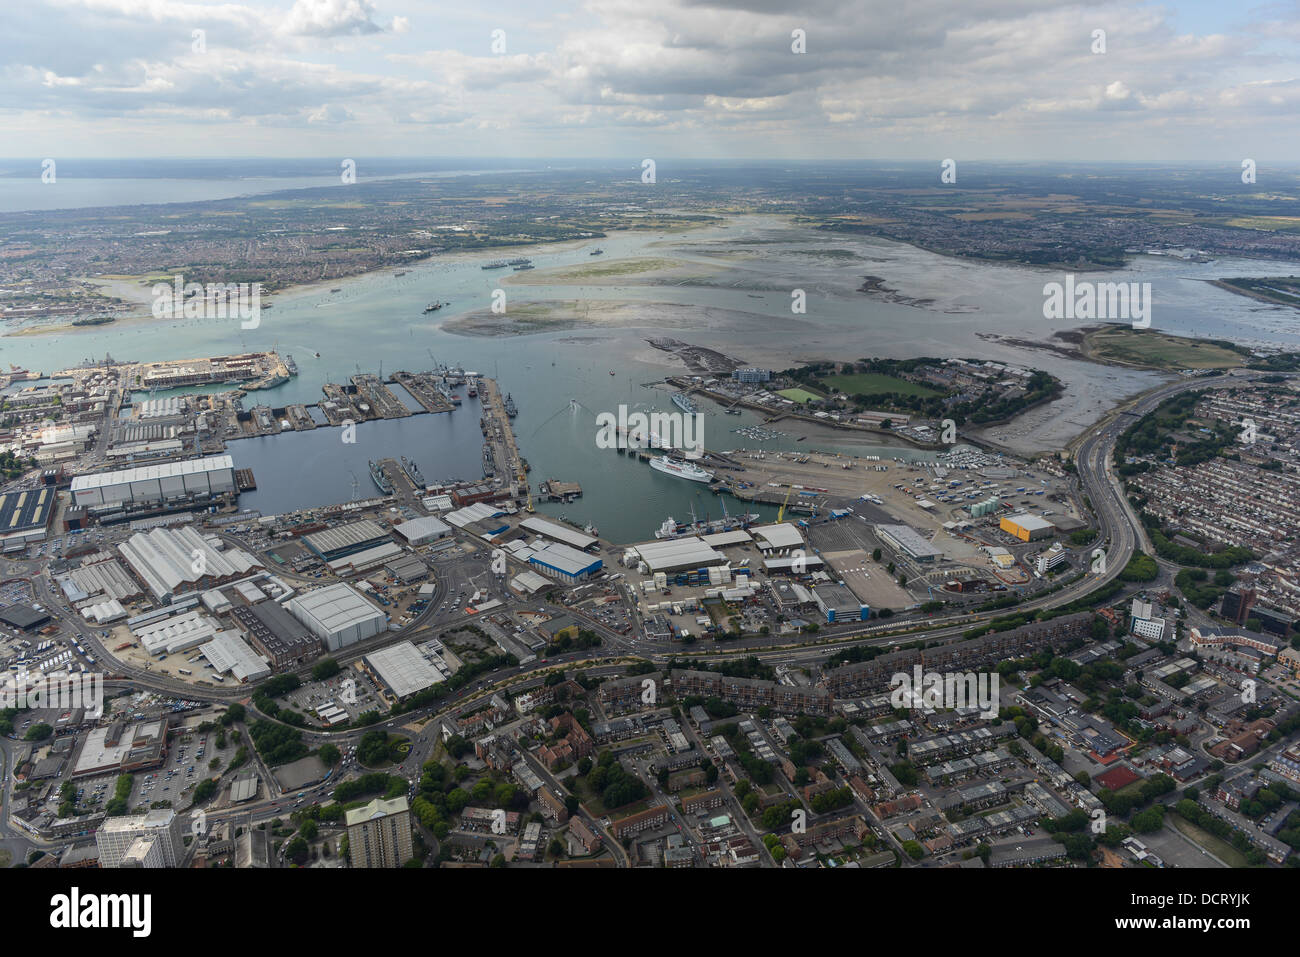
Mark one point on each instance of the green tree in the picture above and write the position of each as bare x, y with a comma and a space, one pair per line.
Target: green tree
297, 851
324, 669
204, 790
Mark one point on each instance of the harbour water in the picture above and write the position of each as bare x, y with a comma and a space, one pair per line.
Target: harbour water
378, 320
303, 469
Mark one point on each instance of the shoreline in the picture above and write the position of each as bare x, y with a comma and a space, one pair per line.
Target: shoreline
1250, 293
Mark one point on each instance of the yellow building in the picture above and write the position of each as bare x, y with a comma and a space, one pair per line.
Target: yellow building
1027, 528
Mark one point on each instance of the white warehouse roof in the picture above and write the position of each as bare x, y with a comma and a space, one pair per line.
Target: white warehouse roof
671, 554
172, 559
422, 529
1031, 523
561, 533
230, 653
528, 582
724, 539
140, 473
171, 635
334, 608
478, 512
909, 540
104, 611
562, 558
784, 535
403, 669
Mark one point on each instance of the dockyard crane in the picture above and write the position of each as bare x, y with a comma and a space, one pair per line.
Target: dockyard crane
780, 515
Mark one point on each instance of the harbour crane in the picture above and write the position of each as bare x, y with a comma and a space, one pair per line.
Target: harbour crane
780, 515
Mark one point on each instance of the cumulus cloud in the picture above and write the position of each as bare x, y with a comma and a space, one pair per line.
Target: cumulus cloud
982, 77
331, 18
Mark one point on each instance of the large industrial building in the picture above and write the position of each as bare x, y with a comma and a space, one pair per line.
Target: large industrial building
402, 669
178, 633
905, 539
368, 559
171, 561
674, 554
422, 530
1027, 528
99, 575
277, 635
839, 604
25, 516
230, 654
332, 543
559, 561
558, 533
121, 748
23, 616
338, 615
777, 538
152, 484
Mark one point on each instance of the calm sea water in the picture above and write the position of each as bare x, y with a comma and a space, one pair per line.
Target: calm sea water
80, 184
376, 323
303, 469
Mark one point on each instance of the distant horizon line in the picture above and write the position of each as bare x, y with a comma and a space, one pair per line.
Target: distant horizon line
661, 159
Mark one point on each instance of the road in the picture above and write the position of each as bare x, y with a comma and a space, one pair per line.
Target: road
1121, 534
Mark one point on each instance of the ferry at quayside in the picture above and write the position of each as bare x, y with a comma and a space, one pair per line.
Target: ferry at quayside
676, 467
683, 402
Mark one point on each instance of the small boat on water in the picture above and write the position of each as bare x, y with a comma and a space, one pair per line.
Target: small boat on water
497, 264
597, 251
337, 289
435, 306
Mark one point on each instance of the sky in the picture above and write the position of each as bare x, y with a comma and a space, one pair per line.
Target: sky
1195, 81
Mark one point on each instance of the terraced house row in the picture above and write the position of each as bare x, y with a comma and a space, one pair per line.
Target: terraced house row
752, 693
869, 677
